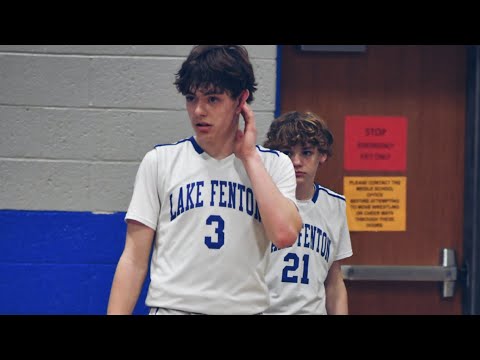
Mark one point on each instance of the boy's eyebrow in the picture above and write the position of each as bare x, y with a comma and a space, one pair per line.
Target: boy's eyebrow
206, 93
212, 92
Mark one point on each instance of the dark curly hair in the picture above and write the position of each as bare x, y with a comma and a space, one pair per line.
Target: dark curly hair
223, 68
295, 127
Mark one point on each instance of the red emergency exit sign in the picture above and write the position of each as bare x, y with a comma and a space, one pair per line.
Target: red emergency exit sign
375, 143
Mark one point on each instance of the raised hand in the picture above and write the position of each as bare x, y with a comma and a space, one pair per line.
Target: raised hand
246, 140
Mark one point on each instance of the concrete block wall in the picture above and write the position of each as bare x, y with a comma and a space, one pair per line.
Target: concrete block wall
75, 121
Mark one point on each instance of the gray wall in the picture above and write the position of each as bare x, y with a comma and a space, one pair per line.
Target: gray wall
75, 120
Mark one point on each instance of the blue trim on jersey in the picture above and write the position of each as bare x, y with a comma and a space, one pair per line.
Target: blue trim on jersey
266, 150
176, 143
317, 191
315, 195
197, 147
199, 150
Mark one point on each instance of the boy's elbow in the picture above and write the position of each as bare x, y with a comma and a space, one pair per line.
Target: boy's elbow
287, 237
286, 232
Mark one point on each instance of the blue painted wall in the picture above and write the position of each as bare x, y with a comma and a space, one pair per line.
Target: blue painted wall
58, 263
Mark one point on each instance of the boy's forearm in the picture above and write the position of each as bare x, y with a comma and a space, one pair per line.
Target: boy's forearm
126, 288
337, 304
280, 216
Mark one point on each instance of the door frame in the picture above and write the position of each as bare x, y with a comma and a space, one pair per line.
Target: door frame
471, 222
470, 270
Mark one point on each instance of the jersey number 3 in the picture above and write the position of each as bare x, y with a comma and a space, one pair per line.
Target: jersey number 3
219, 224
286, 277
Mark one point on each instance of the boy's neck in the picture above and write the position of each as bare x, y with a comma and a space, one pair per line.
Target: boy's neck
217, 149
305, 191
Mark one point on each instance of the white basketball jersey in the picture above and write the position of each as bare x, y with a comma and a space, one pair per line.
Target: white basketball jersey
296, 275
209, 241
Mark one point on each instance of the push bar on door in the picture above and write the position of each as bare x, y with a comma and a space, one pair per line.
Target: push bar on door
446, 272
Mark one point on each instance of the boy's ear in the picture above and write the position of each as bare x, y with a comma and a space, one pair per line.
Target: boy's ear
323, 158
242, 100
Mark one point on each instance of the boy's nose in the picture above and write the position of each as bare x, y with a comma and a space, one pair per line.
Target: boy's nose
296, 159
199, 109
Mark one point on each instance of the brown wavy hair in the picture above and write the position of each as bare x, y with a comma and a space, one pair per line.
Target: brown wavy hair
304, 128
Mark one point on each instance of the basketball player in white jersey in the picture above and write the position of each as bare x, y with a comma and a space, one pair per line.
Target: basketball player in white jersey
306, 278
208, 203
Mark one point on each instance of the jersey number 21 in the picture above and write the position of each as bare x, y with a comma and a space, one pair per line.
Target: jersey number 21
287, 275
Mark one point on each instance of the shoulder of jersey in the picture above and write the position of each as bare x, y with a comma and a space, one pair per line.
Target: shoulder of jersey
264, 150
329, 195
332, 204
179, 142
199, 150
188, 144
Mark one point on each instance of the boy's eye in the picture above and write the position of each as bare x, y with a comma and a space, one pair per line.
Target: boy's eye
213, 99
189, 98
307, 152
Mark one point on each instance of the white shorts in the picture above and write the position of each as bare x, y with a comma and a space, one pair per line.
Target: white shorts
165, 311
